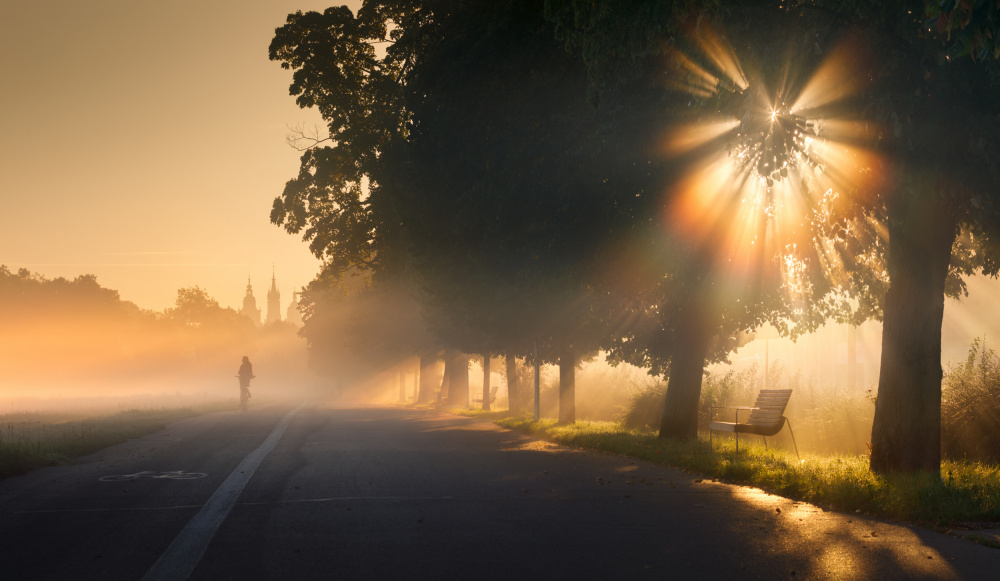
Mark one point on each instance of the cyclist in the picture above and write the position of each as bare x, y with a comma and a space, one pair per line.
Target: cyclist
245, 374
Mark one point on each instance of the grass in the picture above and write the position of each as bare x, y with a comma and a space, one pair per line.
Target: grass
34, 440
966, 492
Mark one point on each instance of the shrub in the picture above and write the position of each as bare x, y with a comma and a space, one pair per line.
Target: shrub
644, 407
970, 407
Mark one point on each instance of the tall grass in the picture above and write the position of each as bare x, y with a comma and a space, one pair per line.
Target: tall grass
33, 440
970, 406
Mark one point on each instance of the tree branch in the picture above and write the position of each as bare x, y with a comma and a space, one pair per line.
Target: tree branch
302, 140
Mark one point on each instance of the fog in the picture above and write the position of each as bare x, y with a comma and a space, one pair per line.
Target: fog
78, 347
62, 363
71, 344
829, 412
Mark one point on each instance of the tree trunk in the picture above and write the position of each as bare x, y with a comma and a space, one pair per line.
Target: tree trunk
402, 387
445, 380
567, 385
416, 386
515, 401
428, 377
906, 432
693, 336
486, 382
458, 380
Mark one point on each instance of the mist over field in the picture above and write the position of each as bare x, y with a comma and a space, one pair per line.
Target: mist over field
74, 343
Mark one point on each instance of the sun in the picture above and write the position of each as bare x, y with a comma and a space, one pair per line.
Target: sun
772, 163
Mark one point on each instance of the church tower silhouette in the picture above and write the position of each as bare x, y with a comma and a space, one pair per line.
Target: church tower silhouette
273, 301
250, 309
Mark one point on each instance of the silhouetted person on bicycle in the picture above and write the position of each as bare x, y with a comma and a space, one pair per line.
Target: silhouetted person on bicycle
245, 374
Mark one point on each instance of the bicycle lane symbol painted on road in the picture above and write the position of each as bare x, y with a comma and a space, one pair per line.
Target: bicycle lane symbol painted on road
171, 475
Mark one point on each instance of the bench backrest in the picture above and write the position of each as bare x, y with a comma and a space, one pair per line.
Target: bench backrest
770, 407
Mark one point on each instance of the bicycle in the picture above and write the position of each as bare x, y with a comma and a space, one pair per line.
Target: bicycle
244, 397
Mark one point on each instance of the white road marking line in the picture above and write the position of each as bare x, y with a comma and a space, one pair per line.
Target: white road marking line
187, 549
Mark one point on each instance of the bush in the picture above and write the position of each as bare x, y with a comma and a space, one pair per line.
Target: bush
970, 407
645, 407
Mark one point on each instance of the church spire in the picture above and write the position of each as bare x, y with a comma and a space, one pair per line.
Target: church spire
250, 309
273, 300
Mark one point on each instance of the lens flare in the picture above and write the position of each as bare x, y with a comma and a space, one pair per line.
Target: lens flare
768, 175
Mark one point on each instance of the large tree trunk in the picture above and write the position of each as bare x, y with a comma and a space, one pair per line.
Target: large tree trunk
486, 382
515, 399
693, 336
428, 377
567, 385
458, 380
906, 433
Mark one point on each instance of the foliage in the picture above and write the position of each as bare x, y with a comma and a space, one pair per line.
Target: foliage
194, 309
929, 118
25, 295
969, 27
336, 70
970, 408
457, 165
505, 212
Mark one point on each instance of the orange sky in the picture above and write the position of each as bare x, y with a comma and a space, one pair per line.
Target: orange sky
144, 141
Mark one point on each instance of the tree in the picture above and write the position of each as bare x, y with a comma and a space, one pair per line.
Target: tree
336, 200
697, 281
935, 130
505, 208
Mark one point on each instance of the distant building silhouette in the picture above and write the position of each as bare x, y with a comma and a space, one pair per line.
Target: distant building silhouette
250, 309
273, 301
294, 316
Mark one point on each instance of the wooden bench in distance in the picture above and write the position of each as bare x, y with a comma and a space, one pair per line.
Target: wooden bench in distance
478, 397
766, 418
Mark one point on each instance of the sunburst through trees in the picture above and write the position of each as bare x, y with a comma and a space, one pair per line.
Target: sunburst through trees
774, 161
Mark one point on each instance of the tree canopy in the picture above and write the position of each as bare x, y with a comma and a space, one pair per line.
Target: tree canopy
740, 163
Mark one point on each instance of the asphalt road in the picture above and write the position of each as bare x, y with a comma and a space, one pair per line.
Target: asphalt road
387, 493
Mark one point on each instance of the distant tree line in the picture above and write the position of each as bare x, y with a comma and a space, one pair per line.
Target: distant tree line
499, 180
74, 330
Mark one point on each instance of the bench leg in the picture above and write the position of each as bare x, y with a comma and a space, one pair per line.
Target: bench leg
793, 438
765, 441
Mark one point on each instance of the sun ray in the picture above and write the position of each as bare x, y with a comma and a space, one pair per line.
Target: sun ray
770, 175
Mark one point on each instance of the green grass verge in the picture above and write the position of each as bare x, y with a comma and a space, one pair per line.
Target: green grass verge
34, 440
966, 491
